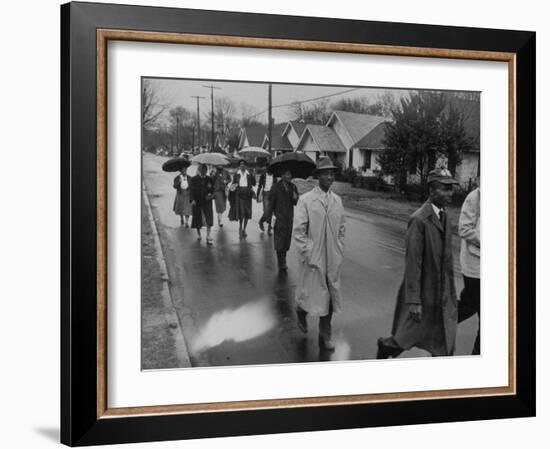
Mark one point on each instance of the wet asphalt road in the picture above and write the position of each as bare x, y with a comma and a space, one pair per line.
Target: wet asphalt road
235, 309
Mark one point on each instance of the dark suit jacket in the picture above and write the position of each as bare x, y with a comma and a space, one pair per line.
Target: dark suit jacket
200, 188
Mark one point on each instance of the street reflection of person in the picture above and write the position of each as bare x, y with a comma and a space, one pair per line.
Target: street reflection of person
201, 194
283, 196
221, 179
244, 181
265, 185
319, 237
426, 311
469, 231
182, 203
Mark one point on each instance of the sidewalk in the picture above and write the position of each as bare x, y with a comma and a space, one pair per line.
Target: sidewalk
161, 337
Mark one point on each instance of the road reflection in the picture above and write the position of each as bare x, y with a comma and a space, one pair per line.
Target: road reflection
244, 323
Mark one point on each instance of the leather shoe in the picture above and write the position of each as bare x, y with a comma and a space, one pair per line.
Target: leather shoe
326, 343
386, 351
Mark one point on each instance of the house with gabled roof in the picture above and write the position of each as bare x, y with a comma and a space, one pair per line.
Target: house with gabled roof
252, 136
351, 127
226, 139
279, 142
293, 131
319, 140
368, 148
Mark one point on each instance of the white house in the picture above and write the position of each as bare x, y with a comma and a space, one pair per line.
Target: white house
351, 127
252, 136
279, 141
319, 140
367, 149
293, 131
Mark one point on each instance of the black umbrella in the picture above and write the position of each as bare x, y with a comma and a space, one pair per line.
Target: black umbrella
300, 165
176, 164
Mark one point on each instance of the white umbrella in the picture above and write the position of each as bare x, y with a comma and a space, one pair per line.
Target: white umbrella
210, 159
253, 151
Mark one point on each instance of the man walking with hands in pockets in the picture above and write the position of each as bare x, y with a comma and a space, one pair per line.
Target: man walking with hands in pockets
319, 236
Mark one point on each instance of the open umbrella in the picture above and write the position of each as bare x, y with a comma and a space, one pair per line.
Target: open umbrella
300, 165
210, 159
176, 164
254, 152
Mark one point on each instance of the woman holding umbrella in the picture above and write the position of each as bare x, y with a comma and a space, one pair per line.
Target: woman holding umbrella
243, 180
283, 196
201, 195
182, 203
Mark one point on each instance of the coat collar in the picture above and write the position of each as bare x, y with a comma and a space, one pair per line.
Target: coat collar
318, 195
428, 212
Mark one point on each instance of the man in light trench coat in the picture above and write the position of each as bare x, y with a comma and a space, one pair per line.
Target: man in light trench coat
319, 237
426, 310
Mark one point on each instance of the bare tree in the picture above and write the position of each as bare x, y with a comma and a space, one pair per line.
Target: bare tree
224, 113
152, 104
249, 115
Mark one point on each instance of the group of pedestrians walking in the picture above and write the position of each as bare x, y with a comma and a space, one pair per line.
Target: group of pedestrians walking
427, 309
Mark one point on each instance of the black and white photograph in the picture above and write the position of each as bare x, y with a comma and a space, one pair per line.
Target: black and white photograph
298, 223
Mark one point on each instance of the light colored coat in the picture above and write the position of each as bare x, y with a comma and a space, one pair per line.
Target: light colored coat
469, 231
319, 237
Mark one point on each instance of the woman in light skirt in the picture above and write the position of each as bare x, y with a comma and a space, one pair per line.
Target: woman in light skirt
182, 203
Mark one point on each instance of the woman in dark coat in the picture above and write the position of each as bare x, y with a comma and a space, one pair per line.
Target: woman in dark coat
182, 203
244, 181
201, 195
283, 196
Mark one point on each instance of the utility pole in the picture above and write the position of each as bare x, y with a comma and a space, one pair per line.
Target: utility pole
178, 133
212, 87
269, 118
198, 120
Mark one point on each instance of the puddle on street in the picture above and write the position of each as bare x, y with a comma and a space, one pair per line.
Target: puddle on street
244, 323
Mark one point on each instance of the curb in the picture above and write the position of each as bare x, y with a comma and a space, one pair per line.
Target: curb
170, 315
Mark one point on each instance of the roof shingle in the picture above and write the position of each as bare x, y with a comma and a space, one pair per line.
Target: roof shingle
325, 138
357, 125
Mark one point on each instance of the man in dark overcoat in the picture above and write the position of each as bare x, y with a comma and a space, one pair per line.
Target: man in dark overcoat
426, 310
201, 193
283, 196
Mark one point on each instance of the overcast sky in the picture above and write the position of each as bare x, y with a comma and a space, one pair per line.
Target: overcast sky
178, 92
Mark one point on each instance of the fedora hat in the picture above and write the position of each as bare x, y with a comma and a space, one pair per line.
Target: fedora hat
324, 163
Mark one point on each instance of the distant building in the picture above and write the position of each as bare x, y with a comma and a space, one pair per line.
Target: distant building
293, 131
351, 128
367, 150
252, 136
279, 141
319, 140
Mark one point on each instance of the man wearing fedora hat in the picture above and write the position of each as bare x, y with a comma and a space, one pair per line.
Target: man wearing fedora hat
319, 236
426, 310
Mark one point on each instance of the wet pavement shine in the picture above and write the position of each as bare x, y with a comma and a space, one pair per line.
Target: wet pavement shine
235, 309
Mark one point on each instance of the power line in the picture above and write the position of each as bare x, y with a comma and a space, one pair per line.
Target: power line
305, 101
